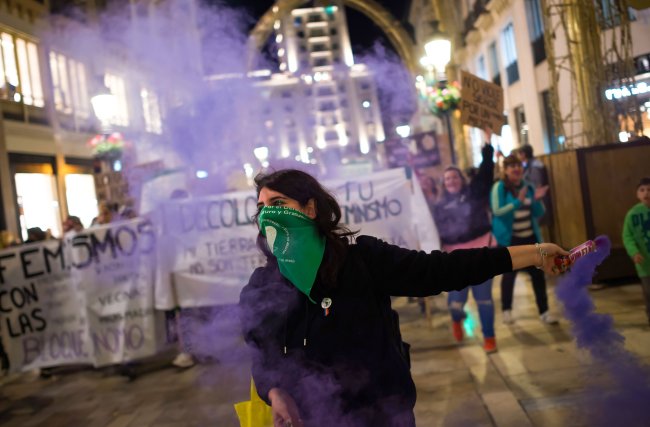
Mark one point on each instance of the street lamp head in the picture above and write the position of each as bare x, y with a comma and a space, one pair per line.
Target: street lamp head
438, 49
438, 53
104, 106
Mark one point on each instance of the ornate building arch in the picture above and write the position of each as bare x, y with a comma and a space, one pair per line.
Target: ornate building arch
396, 34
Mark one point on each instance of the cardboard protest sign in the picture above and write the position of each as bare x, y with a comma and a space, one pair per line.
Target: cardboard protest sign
481, 103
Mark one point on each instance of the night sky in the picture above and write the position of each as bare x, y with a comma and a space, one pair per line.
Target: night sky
363, 32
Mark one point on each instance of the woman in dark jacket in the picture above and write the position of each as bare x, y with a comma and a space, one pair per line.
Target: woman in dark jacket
326, 346
463, 222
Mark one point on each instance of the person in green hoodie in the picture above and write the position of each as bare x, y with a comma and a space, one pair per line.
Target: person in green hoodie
636, 237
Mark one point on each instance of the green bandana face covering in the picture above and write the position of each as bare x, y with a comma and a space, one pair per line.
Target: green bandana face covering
296, 243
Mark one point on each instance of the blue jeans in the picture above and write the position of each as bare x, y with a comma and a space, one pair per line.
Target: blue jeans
483, 296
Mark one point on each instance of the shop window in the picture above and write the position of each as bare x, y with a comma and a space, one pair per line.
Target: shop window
81, 197
151, 111
38, 202
20, 81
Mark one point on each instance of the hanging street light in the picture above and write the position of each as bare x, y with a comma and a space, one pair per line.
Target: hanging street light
105, 108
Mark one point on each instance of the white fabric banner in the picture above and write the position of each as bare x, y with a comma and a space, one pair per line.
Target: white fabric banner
207, 250
116, 264
43, 320
85, 299
208, 246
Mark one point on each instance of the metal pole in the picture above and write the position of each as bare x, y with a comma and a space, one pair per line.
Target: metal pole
450, 132
442, 83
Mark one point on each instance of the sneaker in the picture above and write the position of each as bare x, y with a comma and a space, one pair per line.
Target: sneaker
457, 330
490, 345
548, 318
507, 317
183, 360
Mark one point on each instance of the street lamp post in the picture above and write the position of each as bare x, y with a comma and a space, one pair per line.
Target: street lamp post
438, 55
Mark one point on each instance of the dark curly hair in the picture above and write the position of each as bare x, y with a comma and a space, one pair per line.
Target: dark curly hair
303, 187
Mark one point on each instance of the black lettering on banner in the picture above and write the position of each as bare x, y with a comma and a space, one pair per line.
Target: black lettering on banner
25, 263
126, 248
2, 267
62, 345
225, 221
145, 229
250, 209
81, 241
373, 211
57, 254
111, 339
102, 245
368, 196
212, 216
197, 268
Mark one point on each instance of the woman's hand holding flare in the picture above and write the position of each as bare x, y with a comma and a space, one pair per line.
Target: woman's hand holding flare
541, 256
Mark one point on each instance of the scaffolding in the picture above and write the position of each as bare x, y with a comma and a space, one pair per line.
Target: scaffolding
589, 49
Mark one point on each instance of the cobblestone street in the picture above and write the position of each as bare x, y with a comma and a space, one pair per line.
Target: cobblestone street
536, 378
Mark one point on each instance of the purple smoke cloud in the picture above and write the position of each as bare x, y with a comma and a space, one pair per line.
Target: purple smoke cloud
624, 399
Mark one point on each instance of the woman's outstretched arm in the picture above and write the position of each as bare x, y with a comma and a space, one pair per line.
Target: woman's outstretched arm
541, 255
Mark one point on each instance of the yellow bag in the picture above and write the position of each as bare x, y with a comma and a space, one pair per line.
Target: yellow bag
254, 412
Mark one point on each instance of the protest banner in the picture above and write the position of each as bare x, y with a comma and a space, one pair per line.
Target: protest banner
481, 103
378, 205
115, 264
207, 250
208, 246
42, 318
416, 151
86, 299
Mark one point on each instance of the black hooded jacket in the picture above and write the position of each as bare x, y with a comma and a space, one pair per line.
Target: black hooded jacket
465, 216
346, 366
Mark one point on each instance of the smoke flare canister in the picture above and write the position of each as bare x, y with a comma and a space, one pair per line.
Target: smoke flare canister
564, 262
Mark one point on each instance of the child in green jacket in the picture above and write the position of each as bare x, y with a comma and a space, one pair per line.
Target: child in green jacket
636, 237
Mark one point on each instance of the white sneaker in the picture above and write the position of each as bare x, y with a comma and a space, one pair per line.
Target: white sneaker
548, 318
507, 317
183, 360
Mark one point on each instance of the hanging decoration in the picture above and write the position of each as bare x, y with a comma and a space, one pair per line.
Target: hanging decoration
108, 146
439, 100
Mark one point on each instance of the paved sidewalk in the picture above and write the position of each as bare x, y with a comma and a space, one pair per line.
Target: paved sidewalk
537, 377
